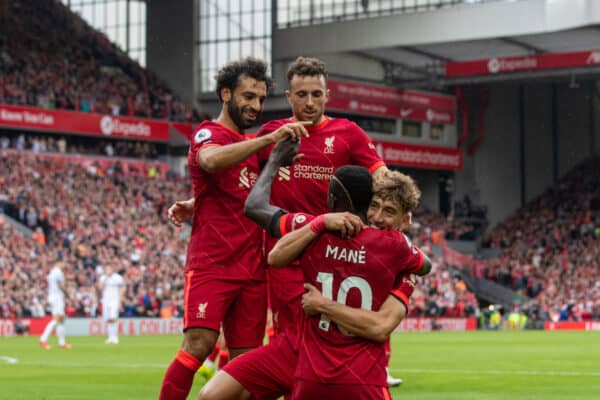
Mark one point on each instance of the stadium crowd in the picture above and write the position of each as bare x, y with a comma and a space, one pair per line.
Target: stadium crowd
51, 58
441, 293
79, 145
551, 247
92, 218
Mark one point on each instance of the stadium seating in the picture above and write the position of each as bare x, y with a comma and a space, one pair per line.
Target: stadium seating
78, 145
551, 246
442, 293
92, 216
51, 58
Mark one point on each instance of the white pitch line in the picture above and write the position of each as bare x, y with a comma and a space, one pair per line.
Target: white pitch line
9, 360
399, 371
83, 364
494, 372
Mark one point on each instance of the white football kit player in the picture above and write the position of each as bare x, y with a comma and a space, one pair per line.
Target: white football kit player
112, 286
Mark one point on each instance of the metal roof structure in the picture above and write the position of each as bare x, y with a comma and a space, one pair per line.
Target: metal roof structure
413, 48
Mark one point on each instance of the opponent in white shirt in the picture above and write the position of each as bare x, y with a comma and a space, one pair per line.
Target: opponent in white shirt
56, 300
113, 288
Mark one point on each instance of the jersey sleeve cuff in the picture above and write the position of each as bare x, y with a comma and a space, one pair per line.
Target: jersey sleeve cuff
376, 166
206, 146
420, 263
401, 297
282, 224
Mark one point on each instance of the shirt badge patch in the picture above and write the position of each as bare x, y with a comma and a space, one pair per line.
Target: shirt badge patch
300, 218
202, 135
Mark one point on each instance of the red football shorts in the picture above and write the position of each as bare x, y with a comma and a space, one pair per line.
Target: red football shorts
285, 287
305, 390
266, 372
239, 305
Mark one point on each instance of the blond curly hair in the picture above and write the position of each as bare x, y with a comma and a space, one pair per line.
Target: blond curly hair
398, 187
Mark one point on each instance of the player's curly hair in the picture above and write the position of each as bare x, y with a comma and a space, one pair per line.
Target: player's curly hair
228, 76
398, 187
306, 66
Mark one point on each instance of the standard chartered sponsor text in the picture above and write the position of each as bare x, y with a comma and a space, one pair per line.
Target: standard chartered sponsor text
319, 172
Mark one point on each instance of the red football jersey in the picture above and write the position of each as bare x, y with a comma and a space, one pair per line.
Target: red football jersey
303, 187
291, 312
222, 236
333, 143
359, 272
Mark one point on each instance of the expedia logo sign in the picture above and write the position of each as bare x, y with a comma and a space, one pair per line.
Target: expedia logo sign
110, 126
496, 65
434, 116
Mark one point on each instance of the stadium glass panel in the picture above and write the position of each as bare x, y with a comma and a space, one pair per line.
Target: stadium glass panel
291, 13
237, 28
122, 21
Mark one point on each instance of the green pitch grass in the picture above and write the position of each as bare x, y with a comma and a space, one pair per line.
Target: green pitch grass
439, 365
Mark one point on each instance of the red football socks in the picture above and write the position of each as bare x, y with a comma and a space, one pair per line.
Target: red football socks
223, 358
179, 377
213, 356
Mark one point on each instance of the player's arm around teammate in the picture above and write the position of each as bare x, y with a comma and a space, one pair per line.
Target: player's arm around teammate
367, 324
372, 325
394, 198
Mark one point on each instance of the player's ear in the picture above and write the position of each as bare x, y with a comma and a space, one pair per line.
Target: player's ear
406, 221
225, 94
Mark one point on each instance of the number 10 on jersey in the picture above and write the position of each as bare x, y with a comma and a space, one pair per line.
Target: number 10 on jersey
326, 281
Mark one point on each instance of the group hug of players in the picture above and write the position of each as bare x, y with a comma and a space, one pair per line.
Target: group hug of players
305, 218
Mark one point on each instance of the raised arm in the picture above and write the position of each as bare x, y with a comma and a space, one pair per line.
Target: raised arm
257, 207
216, 158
